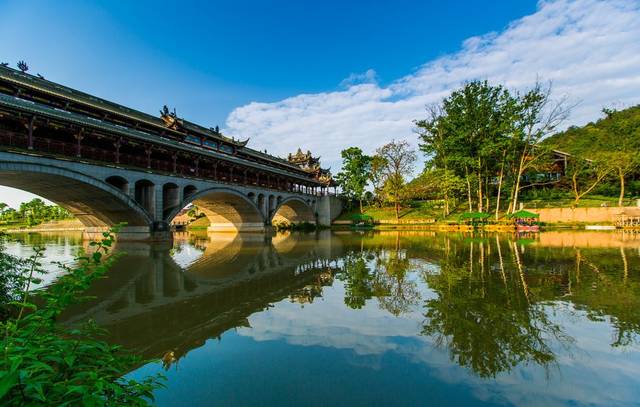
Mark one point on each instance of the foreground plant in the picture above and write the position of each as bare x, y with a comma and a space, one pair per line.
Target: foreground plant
43, 362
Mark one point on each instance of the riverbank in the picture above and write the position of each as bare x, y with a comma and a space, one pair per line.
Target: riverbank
66, 225
432, 219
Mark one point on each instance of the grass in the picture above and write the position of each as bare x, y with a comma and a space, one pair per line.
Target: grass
199, 224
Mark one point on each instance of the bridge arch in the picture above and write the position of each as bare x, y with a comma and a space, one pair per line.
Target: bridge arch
227, 210
293, 210
94, 202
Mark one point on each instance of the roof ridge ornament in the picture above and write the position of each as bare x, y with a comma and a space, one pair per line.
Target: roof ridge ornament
22, 66
170, 118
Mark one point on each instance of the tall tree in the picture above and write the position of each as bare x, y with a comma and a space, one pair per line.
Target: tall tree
537, 116
399, 159
356, 170
467, 133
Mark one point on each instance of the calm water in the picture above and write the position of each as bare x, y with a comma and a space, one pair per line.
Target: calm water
412, 318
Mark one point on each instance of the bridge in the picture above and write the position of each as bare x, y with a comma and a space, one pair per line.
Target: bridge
107, 164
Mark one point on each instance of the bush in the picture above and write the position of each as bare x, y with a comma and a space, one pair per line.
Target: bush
44, 363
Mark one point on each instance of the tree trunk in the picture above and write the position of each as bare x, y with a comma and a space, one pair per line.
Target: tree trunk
446, 203
487, 200
621, 198
397, 211
514, 202
479, 192
361, 205
466, 172
500, 187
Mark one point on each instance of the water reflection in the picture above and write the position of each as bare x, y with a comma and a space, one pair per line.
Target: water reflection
561, 305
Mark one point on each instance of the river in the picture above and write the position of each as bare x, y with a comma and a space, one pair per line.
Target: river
375, 318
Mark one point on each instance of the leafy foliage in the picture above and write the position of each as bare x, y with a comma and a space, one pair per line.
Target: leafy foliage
46, 363
33, 212
355, 174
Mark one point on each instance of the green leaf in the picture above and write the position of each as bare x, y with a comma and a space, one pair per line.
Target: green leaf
7, 382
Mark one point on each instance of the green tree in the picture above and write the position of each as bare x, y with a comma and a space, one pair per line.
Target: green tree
585, 175
467, 134
439, 184
355, 173
377, 177
399, 159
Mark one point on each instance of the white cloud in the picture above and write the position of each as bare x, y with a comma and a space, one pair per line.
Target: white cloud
589, 49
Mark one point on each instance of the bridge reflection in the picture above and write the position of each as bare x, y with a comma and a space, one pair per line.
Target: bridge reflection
151, 304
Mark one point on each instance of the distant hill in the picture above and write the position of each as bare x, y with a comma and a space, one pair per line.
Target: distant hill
618, 130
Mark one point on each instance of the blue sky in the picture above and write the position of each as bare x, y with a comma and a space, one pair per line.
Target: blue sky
207, 58
324, 75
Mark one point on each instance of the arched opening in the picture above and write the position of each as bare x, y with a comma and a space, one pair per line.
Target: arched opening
293, 211
170, 198
229, 211
93, 202
251, 196
119, 182
145, 195
188, 191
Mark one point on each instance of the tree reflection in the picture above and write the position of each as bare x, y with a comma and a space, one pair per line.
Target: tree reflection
400, 290
483, 314
383, 274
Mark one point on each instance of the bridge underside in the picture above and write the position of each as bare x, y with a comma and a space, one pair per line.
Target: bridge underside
101, 197
93, 206
230, 212
293, 211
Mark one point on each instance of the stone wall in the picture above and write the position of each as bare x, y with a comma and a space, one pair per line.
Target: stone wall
584, 215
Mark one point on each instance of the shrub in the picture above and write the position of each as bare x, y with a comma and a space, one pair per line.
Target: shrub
46, 363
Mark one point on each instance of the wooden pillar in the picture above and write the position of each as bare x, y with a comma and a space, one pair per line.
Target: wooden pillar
117, 145
257, 179
147, 151
79, 136
215, 170
197, 162
231, 174
30, 133
245, 176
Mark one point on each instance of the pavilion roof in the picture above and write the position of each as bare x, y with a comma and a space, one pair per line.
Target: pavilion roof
524, 214
473, 215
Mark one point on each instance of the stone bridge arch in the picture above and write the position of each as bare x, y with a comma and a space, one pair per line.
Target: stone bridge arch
294, 210
96, 203
228, 210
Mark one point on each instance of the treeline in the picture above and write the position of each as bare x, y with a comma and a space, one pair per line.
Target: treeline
32, 213
485, 147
